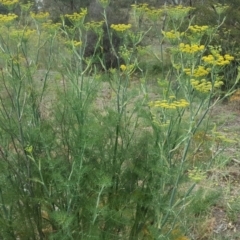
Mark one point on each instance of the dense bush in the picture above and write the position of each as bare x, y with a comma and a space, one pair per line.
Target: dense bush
88, 155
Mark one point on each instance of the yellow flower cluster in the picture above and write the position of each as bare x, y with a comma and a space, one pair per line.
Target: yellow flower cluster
158, 122
94, 25
7, 18
177, 12
129, 69
220, 8
22, 34
125, 53
172, 34
205, 86
74, 43
182, 103
196, 175
123, 67
191, 48
218, 59
140, 8
154, 13
77, 43
8, 2
104, 3
198, 72
195, 33
39, 16
198, 29
26, 6
142, 50
77, 17
50, 26
121, 27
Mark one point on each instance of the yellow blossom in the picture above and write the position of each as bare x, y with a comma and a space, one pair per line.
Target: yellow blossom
121, 27
22, 34
195, 33
154, 13
123, 67
125, 53
140, 8
198, 29
77, 43
171, 35
25, 7
177, 12
50, 26
77, 18
104, 3
228, 57
220, 8
191, 48
200, 71
8, 2
217, 59
39, 16
7, 18
93, 24
182, 103
196, 175
205, 86
73, 43
129, 69
160, 123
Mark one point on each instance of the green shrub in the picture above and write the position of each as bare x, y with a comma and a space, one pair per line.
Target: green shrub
89, 157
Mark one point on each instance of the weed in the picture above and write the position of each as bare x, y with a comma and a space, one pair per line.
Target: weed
82, 167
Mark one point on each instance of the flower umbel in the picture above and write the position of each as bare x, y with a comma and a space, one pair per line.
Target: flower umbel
171, 34
121, 27
50, 26
39, 16
154, 14
77, 18
128, 69
205, 86
191, 48
178, 12
7, 18
95, 26
218, 59
73, 43
198, 72
196, 32
182, 103
140, 8
22, 34
220, 8
196, 175
9, 2
104, 3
